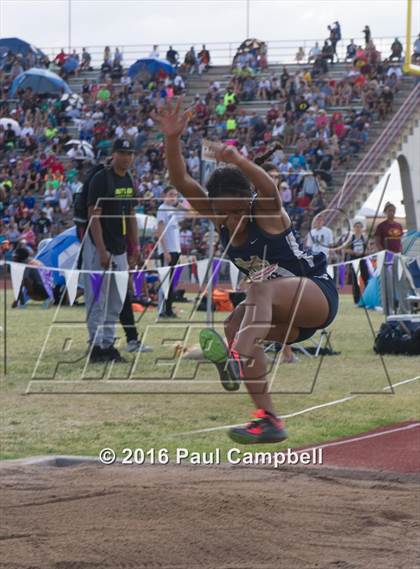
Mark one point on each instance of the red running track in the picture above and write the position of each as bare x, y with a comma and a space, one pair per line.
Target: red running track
395, 448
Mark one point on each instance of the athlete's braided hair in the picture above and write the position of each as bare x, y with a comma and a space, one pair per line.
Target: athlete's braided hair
228, 181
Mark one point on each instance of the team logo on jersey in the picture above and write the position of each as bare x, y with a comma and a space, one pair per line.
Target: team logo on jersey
262, 270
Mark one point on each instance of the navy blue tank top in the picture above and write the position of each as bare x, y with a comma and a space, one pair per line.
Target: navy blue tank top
265, 256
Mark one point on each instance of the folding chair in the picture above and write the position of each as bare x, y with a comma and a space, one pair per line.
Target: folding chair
322, 342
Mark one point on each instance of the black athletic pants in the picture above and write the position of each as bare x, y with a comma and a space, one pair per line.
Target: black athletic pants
168, 303
362, 272
127, 318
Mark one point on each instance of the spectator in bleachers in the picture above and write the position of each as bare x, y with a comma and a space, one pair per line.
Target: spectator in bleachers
314, 52
179, 84
320, 66
154, 54
107, 55
367, 33
106, 66
86, 60
337, 27
60, 58
118, 58
385, 101
300, 55
327, 51
193, 163
334, 37
204, 58
350, 51
264, 89
396, 50
172, 56
190, 60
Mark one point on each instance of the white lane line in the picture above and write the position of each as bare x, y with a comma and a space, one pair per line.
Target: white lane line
309, 409
361, 438
303, 411
402, 382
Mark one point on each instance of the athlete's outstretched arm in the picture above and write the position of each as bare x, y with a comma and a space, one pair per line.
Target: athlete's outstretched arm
172, 122
263, 183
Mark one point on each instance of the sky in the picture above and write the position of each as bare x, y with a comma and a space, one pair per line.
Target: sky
135, 22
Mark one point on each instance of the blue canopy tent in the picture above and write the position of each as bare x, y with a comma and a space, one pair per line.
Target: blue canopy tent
16, 45
61, 253
41, 81
150, 67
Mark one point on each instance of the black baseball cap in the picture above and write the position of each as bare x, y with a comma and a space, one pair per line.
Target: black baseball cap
122, 145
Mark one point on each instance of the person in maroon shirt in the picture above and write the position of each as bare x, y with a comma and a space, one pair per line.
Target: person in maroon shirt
60, 58
388, 233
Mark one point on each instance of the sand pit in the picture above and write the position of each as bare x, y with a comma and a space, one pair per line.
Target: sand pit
88, 516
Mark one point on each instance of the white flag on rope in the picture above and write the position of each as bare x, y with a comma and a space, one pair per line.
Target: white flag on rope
330, 271
400, 268
202, 270
16, 272
234, 275
72, 280
380, 259
121, 279
164, 273
356, 265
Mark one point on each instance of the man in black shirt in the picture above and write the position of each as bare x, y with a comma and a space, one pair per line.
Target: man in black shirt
284, 77
172, 56
112, 234
43, 225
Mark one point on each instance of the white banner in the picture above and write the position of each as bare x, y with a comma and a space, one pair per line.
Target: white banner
234, 275
16, 272
164, 280
121, 279
330, 270
72, 280
202, 270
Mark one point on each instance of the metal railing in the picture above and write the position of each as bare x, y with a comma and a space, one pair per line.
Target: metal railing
222, 53
378, 150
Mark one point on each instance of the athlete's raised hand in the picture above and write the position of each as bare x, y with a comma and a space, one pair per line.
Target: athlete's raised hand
172, 120
225, 152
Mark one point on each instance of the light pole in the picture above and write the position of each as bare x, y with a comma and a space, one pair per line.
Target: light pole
69, 24
247, 18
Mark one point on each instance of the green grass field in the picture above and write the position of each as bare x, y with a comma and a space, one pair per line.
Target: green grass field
62, 411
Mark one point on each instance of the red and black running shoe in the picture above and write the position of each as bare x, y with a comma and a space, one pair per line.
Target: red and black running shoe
264, 428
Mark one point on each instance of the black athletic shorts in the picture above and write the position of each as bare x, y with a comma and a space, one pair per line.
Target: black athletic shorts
327, 285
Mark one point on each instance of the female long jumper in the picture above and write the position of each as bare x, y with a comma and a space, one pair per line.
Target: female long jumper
290, 295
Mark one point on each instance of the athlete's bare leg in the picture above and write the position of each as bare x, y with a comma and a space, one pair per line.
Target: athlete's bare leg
273, 310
